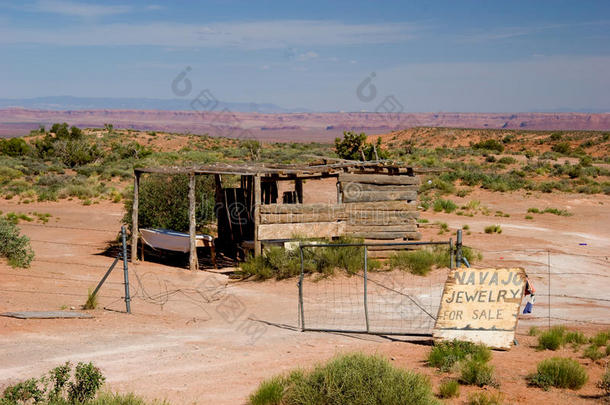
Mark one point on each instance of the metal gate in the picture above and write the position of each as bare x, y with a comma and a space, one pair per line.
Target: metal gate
370, 301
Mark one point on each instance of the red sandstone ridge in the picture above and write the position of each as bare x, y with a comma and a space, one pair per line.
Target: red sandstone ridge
295, 127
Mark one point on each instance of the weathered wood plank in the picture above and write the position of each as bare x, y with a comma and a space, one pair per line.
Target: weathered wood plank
381, 228
367, 196
300, 208
382, 217
354, 187
378, 179
381, 206
481, 306
296, 218
307, 230
257, 220
135, 232
387, 235
193, 262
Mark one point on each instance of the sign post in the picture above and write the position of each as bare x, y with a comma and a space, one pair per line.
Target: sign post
481, 306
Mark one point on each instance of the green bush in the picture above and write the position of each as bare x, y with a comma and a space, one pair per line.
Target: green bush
563, 148
14, 147
493, 229
14, 246
592, 352
282, 263
600, 338
449, 389
476, 372
349, 379
269, 392
57, 387
507, 160
445, 354
575, 338
552, 339
483, 398
354, 147
489, 144
420, 262
444, 205
560, 373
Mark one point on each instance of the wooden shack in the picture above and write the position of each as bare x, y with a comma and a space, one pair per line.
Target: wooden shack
374, 201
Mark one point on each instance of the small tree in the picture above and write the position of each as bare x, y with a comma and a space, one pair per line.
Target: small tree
253, 147
354, 147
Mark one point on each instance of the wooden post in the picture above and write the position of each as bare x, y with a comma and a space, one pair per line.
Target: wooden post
193, 262
339, 196
298, 187
257, 209
134, 217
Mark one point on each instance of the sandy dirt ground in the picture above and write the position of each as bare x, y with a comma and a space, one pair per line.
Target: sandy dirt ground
196, 337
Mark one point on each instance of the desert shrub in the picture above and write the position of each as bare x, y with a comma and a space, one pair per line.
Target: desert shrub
7, 174
442, 186
419, 262
269, 392
552, 339
445, 354
493, 229
91, 302
561, 148
14, 246
600, 338
449, 389
604, 383
489, 144
57, 387
476, 372
560, 373
282, 263
556, 211
164, 202
507, 160
534, 331
444, 205
351, 379
87, 381
484, 398
576, 338
593, 352
14, 147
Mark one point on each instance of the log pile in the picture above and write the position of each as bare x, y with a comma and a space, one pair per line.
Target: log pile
372, 206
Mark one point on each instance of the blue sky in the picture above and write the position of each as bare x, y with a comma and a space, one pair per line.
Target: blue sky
479, 56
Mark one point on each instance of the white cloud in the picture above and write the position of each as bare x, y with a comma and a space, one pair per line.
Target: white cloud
78, 9
246, 35
307, 56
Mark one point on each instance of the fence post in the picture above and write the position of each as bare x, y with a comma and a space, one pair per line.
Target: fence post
366, 306
451, 253
458, 250
125, 271
548, 260
301, 311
